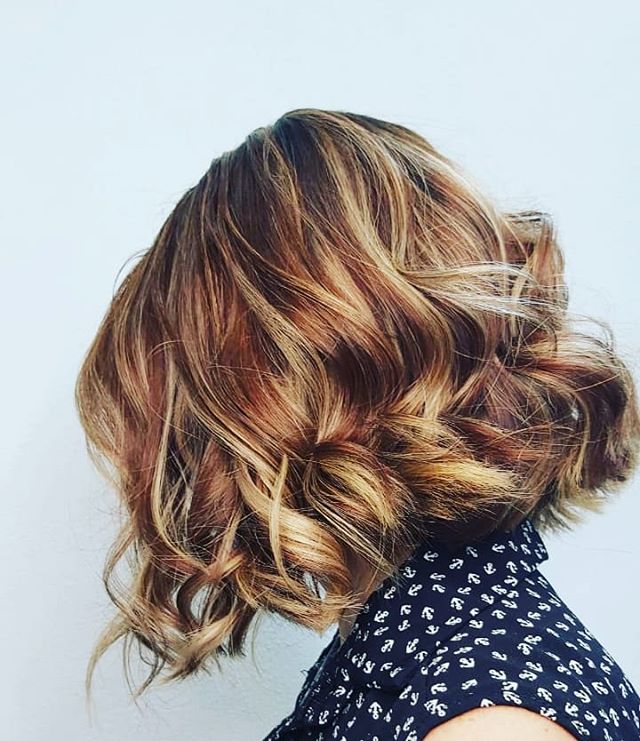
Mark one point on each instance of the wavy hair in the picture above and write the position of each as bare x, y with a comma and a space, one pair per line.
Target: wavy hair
336, 347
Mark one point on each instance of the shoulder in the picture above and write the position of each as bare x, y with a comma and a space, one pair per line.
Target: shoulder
527, 662
499, 723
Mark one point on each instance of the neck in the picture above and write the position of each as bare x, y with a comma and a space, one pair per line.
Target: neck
365, 579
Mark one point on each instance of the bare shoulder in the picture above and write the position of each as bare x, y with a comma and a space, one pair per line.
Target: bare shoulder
499, 723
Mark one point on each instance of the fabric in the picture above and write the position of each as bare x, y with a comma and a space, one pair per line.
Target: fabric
451, 631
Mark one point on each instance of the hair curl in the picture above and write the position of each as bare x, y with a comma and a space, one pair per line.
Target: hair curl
335, 347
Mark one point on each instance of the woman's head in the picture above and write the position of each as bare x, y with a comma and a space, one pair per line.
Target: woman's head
335, 347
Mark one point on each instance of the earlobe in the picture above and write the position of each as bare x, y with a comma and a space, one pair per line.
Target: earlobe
499, 723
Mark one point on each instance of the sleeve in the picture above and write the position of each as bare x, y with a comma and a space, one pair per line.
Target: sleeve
580, 722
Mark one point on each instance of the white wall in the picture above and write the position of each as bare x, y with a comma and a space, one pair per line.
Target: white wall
110, 111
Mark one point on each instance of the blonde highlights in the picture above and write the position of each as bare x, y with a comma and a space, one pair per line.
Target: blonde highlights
335, 348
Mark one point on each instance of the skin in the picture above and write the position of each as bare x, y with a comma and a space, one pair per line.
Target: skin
365, 580
499, 723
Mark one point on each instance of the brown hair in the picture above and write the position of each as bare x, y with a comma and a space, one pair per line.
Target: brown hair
335, 347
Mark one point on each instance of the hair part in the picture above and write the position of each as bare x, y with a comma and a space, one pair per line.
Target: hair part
335, 348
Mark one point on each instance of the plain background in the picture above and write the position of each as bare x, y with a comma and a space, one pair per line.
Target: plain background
110, 111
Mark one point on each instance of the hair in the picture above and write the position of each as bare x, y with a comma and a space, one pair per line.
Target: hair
335, 347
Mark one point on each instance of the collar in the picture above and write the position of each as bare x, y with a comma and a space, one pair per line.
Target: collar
422, 604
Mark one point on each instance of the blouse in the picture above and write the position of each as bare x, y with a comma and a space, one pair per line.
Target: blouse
449, 631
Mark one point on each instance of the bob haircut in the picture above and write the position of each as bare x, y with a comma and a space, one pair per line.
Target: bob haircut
336, 347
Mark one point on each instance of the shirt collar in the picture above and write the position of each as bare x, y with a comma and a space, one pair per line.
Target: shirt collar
423, 603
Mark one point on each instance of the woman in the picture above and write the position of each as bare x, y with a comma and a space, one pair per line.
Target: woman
343, 387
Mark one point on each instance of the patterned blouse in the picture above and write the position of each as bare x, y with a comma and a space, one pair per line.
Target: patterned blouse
452, 631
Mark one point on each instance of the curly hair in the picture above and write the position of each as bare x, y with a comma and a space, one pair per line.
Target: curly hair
336, 347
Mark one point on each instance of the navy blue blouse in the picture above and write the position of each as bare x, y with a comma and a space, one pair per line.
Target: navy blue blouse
454, 630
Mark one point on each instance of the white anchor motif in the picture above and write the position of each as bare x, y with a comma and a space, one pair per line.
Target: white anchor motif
545, 694
571, 709
525, 623
583, 695
463, 650
590, 717
407, 723
323, 717
435, 707
576, 666
497, 674
526, 674
442, 668
512, 697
